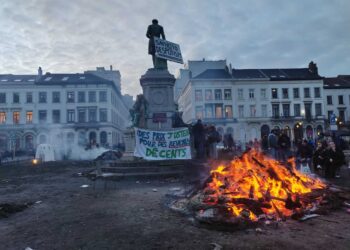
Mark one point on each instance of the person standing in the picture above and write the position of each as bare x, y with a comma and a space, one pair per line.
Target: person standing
199, 139
272, 142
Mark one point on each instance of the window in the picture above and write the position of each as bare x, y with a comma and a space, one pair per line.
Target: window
227, 94
251, 93
56, 116
329, 100
42, 97
342, 115
209, 111
264, 110
275, 110
240, 111
70, 115
318, 109
296, 93
15, 117
199, 112
218, 111
317, 92
81, 115
240, 94
81, 96
103, 96
329, 114
56, 97
92, 96
252, 109
2, 117
306, 93
263, 93
228, 111
286, 110
340, 99
29, 97
297, 110
218, 94
274, 93
42, 116
29, 117
70, 96
2, 97
285, 93
198, 95
92, 115
103, 115
308, 111
15, 97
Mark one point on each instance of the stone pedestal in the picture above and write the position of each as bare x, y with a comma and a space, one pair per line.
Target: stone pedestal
158, 90
129, 140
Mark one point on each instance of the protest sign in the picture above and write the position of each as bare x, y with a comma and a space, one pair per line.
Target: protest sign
163, 145
167, 50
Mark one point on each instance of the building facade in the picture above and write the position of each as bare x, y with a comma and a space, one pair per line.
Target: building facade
337, 99
61, 109
249, 103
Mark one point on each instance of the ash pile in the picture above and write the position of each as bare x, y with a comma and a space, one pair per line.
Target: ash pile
254, 189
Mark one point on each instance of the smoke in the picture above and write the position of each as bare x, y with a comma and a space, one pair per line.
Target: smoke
69, 145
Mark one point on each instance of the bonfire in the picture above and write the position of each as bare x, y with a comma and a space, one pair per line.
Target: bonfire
254, 188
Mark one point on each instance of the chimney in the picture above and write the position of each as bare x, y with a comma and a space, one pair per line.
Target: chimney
40, 71
111, 67
313, 68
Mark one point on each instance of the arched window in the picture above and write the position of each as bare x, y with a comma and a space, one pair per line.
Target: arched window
92, 137
103, 137
309, 132
265, 130
70, 138
3, 142
28, 142
42, 139
82, 138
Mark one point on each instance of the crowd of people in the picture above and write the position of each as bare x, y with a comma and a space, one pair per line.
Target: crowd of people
206, 138
324, 155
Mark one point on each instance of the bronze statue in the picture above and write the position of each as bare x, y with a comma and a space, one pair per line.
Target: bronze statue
139, 111
155, 30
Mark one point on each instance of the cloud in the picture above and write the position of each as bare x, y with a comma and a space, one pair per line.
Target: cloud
77, 35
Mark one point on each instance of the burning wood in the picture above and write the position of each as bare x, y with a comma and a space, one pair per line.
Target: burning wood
254, 186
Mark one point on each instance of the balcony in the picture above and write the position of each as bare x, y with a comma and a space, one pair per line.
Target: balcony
299, 117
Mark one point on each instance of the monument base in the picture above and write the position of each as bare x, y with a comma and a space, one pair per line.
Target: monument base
129, 140
158, 90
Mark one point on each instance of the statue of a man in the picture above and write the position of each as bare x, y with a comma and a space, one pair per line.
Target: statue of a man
155, 30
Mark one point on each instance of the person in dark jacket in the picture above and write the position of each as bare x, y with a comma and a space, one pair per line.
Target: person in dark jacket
334, 159
283, 146
318, 157
199, 139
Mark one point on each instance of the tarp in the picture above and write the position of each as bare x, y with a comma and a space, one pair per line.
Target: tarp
163, 145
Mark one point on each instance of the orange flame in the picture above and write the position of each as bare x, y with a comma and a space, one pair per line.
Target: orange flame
257, 179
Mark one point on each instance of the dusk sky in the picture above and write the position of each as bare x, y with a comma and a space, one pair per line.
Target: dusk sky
71, 36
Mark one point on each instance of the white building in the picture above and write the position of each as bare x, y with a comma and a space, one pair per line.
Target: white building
61, 109
337, 98
248, 103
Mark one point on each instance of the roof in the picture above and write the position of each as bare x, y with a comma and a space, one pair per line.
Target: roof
339, 82
275, 74
270, 74
214, 74
49, 78
85, 78
17, 78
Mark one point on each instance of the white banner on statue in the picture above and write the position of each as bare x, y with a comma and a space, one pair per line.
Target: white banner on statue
167, 50
163, 145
